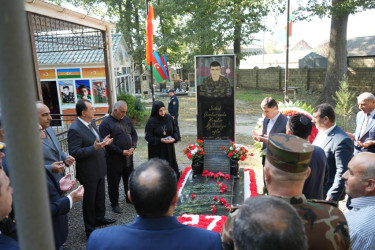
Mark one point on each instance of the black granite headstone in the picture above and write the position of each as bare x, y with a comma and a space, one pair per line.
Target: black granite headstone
215, 97
215, 159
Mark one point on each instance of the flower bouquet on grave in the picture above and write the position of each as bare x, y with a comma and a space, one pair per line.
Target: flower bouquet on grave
235, 152
195, 152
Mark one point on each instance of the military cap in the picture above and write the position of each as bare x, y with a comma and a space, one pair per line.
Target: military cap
171, 90
289, 153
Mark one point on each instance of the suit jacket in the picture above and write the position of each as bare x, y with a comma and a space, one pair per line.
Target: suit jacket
278, 127
90, 163
60, 206
338, 148
7, 243
313, 187
154, 233
52, 152
368, 135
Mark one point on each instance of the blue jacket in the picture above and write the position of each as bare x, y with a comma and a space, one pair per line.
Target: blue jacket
338, 148
7, 243
154, 233
173, 106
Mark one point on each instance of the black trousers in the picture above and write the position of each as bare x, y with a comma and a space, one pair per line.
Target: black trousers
93, 205
116, 171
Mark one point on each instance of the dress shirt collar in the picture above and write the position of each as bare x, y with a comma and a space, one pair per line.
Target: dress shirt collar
327, 131
166, 222
275, 118
363, 201
84, 122
372, 113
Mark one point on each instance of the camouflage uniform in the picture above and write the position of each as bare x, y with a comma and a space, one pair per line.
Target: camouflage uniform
211, 88
325, 225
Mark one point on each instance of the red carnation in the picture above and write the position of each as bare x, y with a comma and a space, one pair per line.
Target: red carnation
189, 156
193, 196
242, 158
222, 147
252, 154
230, 154
227, 176
213, 209
215, 198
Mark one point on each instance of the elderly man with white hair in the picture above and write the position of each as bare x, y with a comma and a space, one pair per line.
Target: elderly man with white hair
364, 137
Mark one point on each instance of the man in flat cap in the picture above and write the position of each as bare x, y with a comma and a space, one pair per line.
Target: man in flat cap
173, 107
285, 171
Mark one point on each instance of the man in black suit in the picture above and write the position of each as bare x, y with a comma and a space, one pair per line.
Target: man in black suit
86, 146
274, 122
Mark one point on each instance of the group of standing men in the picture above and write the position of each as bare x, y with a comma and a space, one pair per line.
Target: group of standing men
339, 148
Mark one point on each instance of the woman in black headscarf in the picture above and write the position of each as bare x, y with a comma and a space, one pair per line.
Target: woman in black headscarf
161, 134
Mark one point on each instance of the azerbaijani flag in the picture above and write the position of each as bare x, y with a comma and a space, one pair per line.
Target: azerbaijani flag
68, 73
159, 72
290, 21
149, 34
165, 64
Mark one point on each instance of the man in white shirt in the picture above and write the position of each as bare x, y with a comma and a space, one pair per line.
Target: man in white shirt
360, 185
274, 122
338, 148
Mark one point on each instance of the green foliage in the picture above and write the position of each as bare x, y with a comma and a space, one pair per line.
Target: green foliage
136, 110
344, 101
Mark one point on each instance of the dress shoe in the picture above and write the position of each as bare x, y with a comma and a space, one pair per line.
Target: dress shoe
105, 221
116, 209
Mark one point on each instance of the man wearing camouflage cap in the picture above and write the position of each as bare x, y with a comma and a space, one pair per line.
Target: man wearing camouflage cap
285, 171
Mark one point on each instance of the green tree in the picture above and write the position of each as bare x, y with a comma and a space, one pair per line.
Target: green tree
344, 101
339, 10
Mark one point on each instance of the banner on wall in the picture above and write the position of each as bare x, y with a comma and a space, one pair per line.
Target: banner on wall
100, 91
93, 72
47, 74
83, 89
68, 73
66, 89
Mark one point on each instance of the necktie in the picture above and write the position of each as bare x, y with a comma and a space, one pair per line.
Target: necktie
364, 125
93, 131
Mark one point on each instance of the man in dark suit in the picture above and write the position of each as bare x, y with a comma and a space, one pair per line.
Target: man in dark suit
60, 204
274, 122
338, 148
6, 199
86, 146
364, 136
52, 152
153, 191
301, 126
120, 153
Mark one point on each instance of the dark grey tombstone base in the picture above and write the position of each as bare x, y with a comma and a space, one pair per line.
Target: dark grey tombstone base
215, 159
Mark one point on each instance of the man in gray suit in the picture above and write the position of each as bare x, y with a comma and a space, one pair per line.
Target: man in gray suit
364, 136
274, 122
54, 158
338, 148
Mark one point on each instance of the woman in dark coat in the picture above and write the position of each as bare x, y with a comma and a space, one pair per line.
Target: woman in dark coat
161, 134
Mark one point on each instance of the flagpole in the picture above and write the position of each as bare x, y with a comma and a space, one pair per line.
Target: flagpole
287, 56
151, 66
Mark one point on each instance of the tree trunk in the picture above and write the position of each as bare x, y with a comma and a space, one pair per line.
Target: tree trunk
337, 57
237, 42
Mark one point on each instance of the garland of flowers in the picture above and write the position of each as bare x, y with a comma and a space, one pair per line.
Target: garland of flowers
250, 184
183, 179
209, 222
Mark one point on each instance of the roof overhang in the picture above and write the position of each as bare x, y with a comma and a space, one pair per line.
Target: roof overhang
55, 11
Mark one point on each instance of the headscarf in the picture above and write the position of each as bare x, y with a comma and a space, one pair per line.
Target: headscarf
155, 109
